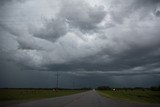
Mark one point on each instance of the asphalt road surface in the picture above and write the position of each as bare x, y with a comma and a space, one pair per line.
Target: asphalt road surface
85, 99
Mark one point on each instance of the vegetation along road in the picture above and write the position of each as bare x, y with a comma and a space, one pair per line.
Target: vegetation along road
84, 99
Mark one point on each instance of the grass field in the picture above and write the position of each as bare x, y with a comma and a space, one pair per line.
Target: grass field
29, 94
146, 96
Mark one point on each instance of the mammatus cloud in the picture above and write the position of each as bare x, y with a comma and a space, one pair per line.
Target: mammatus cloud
83, 38
52, 30
81, 15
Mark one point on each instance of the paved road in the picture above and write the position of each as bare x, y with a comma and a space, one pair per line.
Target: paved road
85, 99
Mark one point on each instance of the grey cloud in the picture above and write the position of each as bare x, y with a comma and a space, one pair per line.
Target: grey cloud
82, 15
52, 30
71, 14
24, 45
33, 43
146, 3
28, 44
120, 10
6, 28
125, 46
157, 13
147, 6
137, 55
3, 2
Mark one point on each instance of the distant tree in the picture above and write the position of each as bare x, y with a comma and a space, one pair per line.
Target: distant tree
85, 88
103, 88
138, 88
155, 88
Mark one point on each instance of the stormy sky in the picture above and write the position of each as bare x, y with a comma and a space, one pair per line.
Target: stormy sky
88, 42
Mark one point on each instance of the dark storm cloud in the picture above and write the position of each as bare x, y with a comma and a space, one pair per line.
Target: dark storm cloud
121, 62
106, 43
121, 11
146, 3
53, 29
157, 13
75, 14
3, 2
80, 14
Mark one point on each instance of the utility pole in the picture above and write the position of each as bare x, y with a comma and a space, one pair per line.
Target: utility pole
57, 80
73, 83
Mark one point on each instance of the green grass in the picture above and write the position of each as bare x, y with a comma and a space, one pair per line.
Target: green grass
30, 94
146, 96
